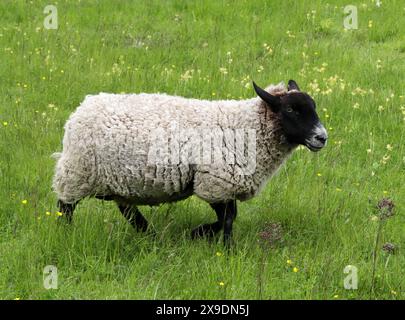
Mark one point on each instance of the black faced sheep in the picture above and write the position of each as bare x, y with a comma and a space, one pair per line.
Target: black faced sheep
147, 149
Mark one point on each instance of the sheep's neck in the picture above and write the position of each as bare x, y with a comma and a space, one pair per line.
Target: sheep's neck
276, 146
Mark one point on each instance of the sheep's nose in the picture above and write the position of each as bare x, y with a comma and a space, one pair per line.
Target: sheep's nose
321, 138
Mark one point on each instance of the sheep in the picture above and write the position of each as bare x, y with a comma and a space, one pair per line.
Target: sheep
108, 147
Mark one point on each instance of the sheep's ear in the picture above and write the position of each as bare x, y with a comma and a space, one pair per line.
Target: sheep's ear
272, 101
292, 85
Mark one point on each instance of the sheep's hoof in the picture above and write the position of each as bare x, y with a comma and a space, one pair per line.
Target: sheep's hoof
205, 230
141, 225
228, 243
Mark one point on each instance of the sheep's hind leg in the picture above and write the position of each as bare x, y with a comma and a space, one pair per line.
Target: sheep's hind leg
134, 216
226, 213
67, 210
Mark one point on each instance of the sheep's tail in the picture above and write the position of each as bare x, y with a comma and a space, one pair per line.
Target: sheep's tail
56, 155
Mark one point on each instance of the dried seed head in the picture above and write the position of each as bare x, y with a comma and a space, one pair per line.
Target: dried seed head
386, 208
271, 235
389, 247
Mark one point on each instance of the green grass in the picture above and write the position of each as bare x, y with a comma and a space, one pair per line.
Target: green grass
325, 202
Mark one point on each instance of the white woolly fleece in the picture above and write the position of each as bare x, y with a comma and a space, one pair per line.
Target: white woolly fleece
107, 142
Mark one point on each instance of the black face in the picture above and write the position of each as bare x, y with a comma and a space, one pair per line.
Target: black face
299, 119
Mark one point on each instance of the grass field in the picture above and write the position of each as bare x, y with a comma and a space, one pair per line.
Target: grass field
322, 207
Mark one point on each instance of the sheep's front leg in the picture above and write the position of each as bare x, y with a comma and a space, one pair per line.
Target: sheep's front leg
134, 217
226, 213
229, 217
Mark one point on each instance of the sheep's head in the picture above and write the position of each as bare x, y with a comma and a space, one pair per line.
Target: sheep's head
299, 120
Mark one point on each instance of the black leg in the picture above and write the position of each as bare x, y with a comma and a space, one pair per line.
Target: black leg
226, 213
134, 217
230, 215
67, 209
211, 229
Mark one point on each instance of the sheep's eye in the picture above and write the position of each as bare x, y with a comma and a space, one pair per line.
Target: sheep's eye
289, 109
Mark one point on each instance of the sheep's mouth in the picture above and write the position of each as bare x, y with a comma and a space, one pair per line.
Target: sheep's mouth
314, 148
